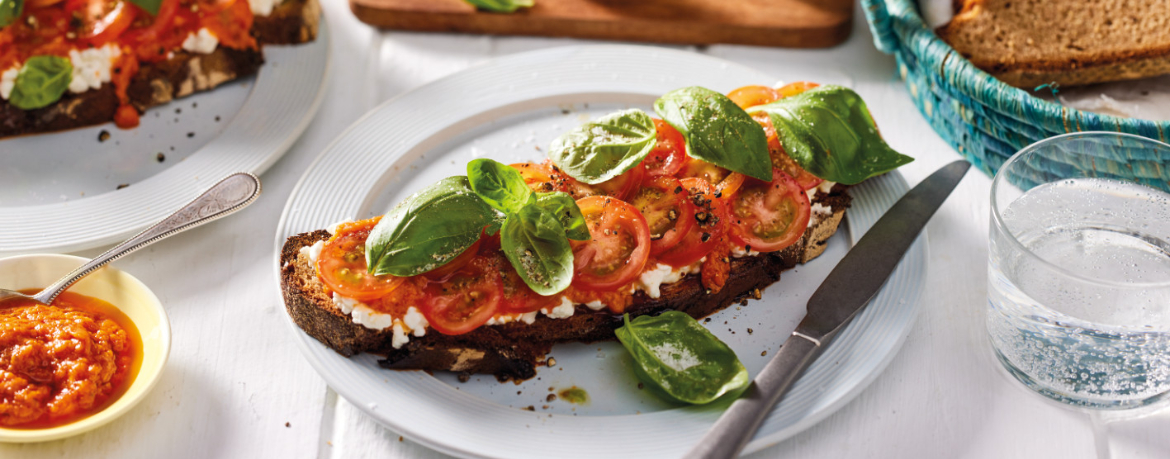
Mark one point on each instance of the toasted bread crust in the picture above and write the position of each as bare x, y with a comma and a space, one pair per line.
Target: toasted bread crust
291, 22
515, 349
294, 21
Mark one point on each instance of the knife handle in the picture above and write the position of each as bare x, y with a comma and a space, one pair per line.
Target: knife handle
739, 423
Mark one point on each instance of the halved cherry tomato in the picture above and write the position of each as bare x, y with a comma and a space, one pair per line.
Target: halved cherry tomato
466, 300
620, 187
769, 216
730, 185
538, 176
41, 3
342, 264
519, 298
750, 96
698, 168
724, 181
444, 272
668, 211
160, 24
619, 247
214, 6
711, 221
792, 89
670, 151
780, 158
102, 21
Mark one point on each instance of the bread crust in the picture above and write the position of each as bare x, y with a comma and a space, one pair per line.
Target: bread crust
294, 21
1094, 62
516, 349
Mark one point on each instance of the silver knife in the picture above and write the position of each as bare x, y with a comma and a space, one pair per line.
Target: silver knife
849, 287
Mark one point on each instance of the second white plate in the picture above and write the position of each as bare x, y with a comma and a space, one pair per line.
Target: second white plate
510, 109
64, 192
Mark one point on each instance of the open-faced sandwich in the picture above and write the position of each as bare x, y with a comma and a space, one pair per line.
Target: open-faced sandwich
630, 215
72, 63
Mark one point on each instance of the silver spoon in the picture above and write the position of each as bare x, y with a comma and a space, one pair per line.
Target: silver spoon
224, 198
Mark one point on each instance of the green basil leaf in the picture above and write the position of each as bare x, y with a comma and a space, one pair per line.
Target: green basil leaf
534, 241
501, 6
565, 209
428, 229
717, 131
681, 360
498, 184
41, 82
151, 6
10, 11
828, 131
600, 150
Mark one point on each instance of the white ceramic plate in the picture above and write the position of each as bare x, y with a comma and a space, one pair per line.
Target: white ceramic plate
59, 191
510, 109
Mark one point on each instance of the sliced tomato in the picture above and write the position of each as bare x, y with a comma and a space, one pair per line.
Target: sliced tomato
466, 300
519, 298
711, 221
41, 3
342, 264
538, 176
160, 24
620, 187
698, 168
780, 158
101, 21
729, 185
769, 216
792, 89
668, 211
670, 151
214, 6
750, 96
618, 249
444, 272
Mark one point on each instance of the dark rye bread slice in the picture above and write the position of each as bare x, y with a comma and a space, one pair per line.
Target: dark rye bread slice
515, 349
294, 21
1026, 43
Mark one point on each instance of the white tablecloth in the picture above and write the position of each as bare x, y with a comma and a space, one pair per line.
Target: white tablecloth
235, 386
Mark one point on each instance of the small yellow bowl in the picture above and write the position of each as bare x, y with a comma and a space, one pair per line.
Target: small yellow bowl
117, 288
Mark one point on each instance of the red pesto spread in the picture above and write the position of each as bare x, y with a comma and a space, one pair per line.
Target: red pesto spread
64, 362
56, 27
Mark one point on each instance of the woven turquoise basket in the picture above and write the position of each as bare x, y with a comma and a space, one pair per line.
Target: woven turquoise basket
986, 120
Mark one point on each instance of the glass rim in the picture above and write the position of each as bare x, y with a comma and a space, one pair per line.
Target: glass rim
997, 218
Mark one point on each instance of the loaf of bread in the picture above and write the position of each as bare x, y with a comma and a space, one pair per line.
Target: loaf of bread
1027, 43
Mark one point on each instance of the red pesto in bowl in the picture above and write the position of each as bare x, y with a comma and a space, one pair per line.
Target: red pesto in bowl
64, 362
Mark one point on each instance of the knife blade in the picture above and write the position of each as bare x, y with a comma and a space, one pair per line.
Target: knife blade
846, 291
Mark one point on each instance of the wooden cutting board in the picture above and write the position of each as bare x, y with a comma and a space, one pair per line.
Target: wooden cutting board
788, 23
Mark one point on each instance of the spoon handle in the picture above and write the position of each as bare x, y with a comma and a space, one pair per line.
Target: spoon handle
224, 198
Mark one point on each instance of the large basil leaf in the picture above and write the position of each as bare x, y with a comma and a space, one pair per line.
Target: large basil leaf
10, 11
151, 6
600, 150
829, 132
41, 82
681, 360
498, 184
501, 6
534, 241
561, 205
717, 130
428, 229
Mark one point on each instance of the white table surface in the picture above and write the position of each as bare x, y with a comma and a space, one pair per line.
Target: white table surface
236, 387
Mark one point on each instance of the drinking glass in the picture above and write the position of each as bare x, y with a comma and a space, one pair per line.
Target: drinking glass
1079, 269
